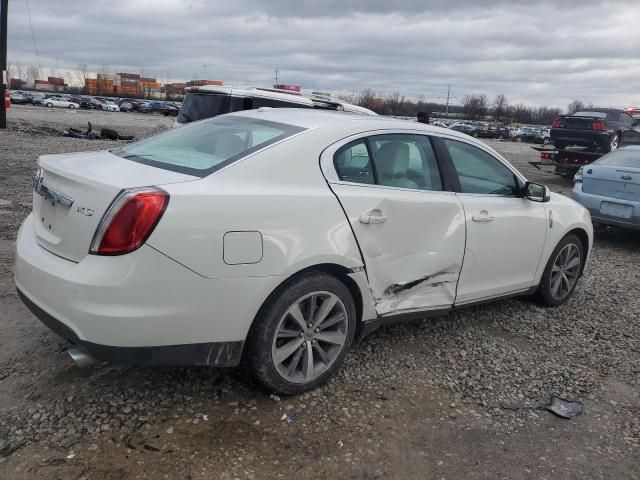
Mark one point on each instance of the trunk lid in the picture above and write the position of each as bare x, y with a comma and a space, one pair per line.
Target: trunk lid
74, 190
612, 181
578, 123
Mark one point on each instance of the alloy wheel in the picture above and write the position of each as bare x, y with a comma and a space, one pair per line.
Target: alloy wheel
565, 271
614, 143
309, 337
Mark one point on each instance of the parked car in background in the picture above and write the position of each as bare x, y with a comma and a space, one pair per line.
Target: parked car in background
527, 134
209, 101
37, 98
232, 215
465, 128
60, 102
126, 107
83, 101
596, 128
19, 99
110, 106
171, 109
610, 188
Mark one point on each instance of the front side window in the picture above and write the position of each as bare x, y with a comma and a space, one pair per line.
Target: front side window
480, 172
202, 148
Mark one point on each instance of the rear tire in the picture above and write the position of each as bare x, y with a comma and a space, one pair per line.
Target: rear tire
298, 341
71, 107
562, 272
613, 143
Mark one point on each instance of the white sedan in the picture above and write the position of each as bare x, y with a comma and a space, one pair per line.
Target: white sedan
109, 106
59, 102
279, 235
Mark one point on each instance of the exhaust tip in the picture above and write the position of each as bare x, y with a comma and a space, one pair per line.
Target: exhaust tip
81, 358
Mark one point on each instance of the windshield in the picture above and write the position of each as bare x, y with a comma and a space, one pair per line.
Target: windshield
197, 106
590, 114
204, 147
621, 158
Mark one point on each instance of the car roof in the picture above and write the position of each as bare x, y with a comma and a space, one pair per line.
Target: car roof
314, 118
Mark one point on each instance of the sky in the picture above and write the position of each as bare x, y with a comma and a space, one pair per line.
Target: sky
538, 52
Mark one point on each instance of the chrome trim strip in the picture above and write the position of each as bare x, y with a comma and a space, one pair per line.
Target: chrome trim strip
52, 194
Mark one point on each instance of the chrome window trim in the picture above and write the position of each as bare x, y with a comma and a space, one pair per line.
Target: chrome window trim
329, 171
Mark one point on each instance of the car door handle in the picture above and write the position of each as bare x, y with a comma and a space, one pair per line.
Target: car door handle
374, 216
483, 217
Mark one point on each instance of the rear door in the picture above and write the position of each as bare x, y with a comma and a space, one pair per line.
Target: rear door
409, 229
505, 233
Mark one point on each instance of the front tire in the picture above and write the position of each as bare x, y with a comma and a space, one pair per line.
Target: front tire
302, 334
71, 107
562, 272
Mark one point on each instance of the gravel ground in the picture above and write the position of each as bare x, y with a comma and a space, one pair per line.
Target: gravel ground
456, 397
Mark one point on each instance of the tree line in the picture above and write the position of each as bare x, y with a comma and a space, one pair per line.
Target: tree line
472, 107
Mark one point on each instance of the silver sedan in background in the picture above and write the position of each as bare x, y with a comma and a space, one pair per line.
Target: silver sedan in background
610, 188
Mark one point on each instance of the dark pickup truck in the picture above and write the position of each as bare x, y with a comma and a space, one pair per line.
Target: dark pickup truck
597, 128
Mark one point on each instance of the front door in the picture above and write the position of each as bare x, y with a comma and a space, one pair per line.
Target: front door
505, 232
411, 232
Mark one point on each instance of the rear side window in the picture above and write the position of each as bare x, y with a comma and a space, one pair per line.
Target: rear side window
480, 172
202, 148
397, 160
353, 164
270, 102
405, 161
197, 106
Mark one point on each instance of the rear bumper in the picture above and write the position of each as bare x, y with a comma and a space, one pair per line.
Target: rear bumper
219, 354
594, 202
583, 138
142, 308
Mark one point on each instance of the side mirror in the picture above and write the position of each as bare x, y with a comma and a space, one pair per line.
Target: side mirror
536, 192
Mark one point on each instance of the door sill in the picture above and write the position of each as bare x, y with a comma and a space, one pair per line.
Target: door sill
504, 296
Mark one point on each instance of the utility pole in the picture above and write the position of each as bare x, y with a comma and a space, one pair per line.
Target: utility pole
3, 62
450, 96
276, 77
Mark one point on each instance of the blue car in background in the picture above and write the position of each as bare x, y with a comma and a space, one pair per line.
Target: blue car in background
610, 188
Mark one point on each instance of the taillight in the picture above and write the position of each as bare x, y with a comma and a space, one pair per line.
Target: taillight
598, 126
556, 124
129, 221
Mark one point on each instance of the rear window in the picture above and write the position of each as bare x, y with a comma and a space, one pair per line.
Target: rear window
198, 106
204, 147
621, 158
590, 114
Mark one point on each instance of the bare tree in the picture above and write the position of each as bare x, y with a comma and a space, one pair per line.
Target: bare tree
9, 71
33, 74
575, 106
366, 98
500, 106
475, 106
393, 103
83, 73
21, 71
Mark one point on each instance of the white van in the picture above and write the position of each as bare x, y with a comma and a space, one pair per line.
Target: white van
209, 101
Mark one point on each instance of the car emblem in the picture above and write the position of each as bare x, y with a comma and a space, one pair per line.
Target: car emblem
85, 211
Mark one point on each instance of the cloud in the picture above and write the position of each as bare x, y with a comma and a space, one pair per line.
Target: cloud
542, 52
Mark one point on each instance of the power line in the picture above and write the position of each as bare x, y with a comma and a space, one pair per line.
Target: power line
450, 96
33, 35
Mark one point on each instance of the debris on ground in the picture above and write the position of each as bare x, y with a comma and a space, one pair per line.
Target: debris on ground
293, 417
105, 134
561, 407
565, 408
